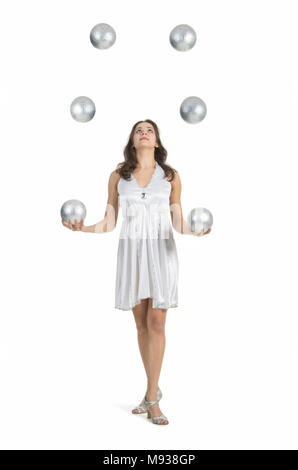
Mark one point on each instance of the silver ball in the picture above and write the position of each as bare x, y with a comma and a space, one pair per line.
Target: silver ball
200, 218
73, 210
193, 109
102, 36
82, 109
183, 37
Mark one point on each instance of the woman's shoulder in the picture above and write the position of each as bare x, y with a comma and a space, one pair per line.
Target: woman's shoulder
176, 178
115, 176
114, 180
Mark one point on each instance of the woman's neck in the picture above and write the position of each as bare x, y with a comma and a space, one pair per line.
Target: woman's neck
146, 158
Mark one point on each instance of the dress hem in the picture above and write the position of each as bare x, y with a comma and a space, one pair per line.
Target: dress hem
138, 303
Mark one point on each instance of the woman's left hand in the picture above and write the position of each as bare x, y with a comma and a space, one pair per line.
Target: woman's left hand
201, 233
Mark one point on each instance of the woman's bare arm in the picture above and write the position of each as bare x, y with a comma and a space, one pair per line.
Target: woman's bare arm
179, 224
108, 223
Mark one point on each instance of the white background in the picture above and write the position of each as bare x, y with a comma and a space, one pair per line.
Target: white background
70, 366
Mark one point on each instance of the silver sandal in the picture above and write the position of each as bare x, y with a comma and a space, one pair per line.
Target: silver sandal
142, 408
155, 419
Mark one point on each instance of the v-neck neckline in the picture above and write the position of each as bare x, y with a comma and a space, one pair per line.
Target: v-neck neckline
144, 187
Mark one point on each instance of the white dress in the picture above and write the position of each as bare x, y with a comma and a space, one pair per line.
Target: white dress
147, 261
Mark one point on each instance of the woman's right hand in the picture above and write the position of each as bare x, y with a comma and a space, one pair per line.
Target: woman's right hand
77, 226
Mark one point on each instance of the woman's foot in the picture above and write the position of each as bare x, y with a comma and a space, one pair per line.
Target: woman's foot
155, 410
139, 409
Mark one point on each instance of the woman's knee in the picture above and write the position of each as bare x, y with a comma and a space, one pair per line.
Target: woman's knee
156, 324
140, 316
142, 328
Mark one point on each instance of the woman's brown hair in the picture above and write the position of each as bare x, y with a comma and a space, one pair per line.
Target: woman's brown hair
130, 159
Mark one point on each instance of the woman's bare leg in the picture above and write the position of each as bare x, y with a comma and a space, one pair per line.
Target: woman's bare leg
140, 315
156, 319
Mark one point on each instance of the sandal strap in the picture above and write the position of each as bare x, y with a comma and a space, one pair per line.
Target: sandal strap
150, 403
162, 416
141, 407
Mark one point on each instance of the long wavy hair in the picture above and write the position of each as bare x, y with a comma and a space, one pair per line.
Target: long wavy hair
130, 156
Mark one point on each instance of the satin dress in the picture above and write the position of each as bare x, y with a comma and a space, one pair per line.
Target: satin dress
147, 261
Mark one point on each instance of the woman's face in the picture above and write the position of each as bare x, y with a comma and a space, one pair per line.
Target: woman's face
144, 136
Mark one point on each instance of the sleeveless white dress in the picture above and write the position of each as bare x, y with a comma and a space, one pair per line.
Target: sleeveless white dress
147, 261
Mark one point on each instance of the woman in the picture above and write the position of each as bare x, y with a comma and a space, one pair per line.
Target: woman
147, 264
